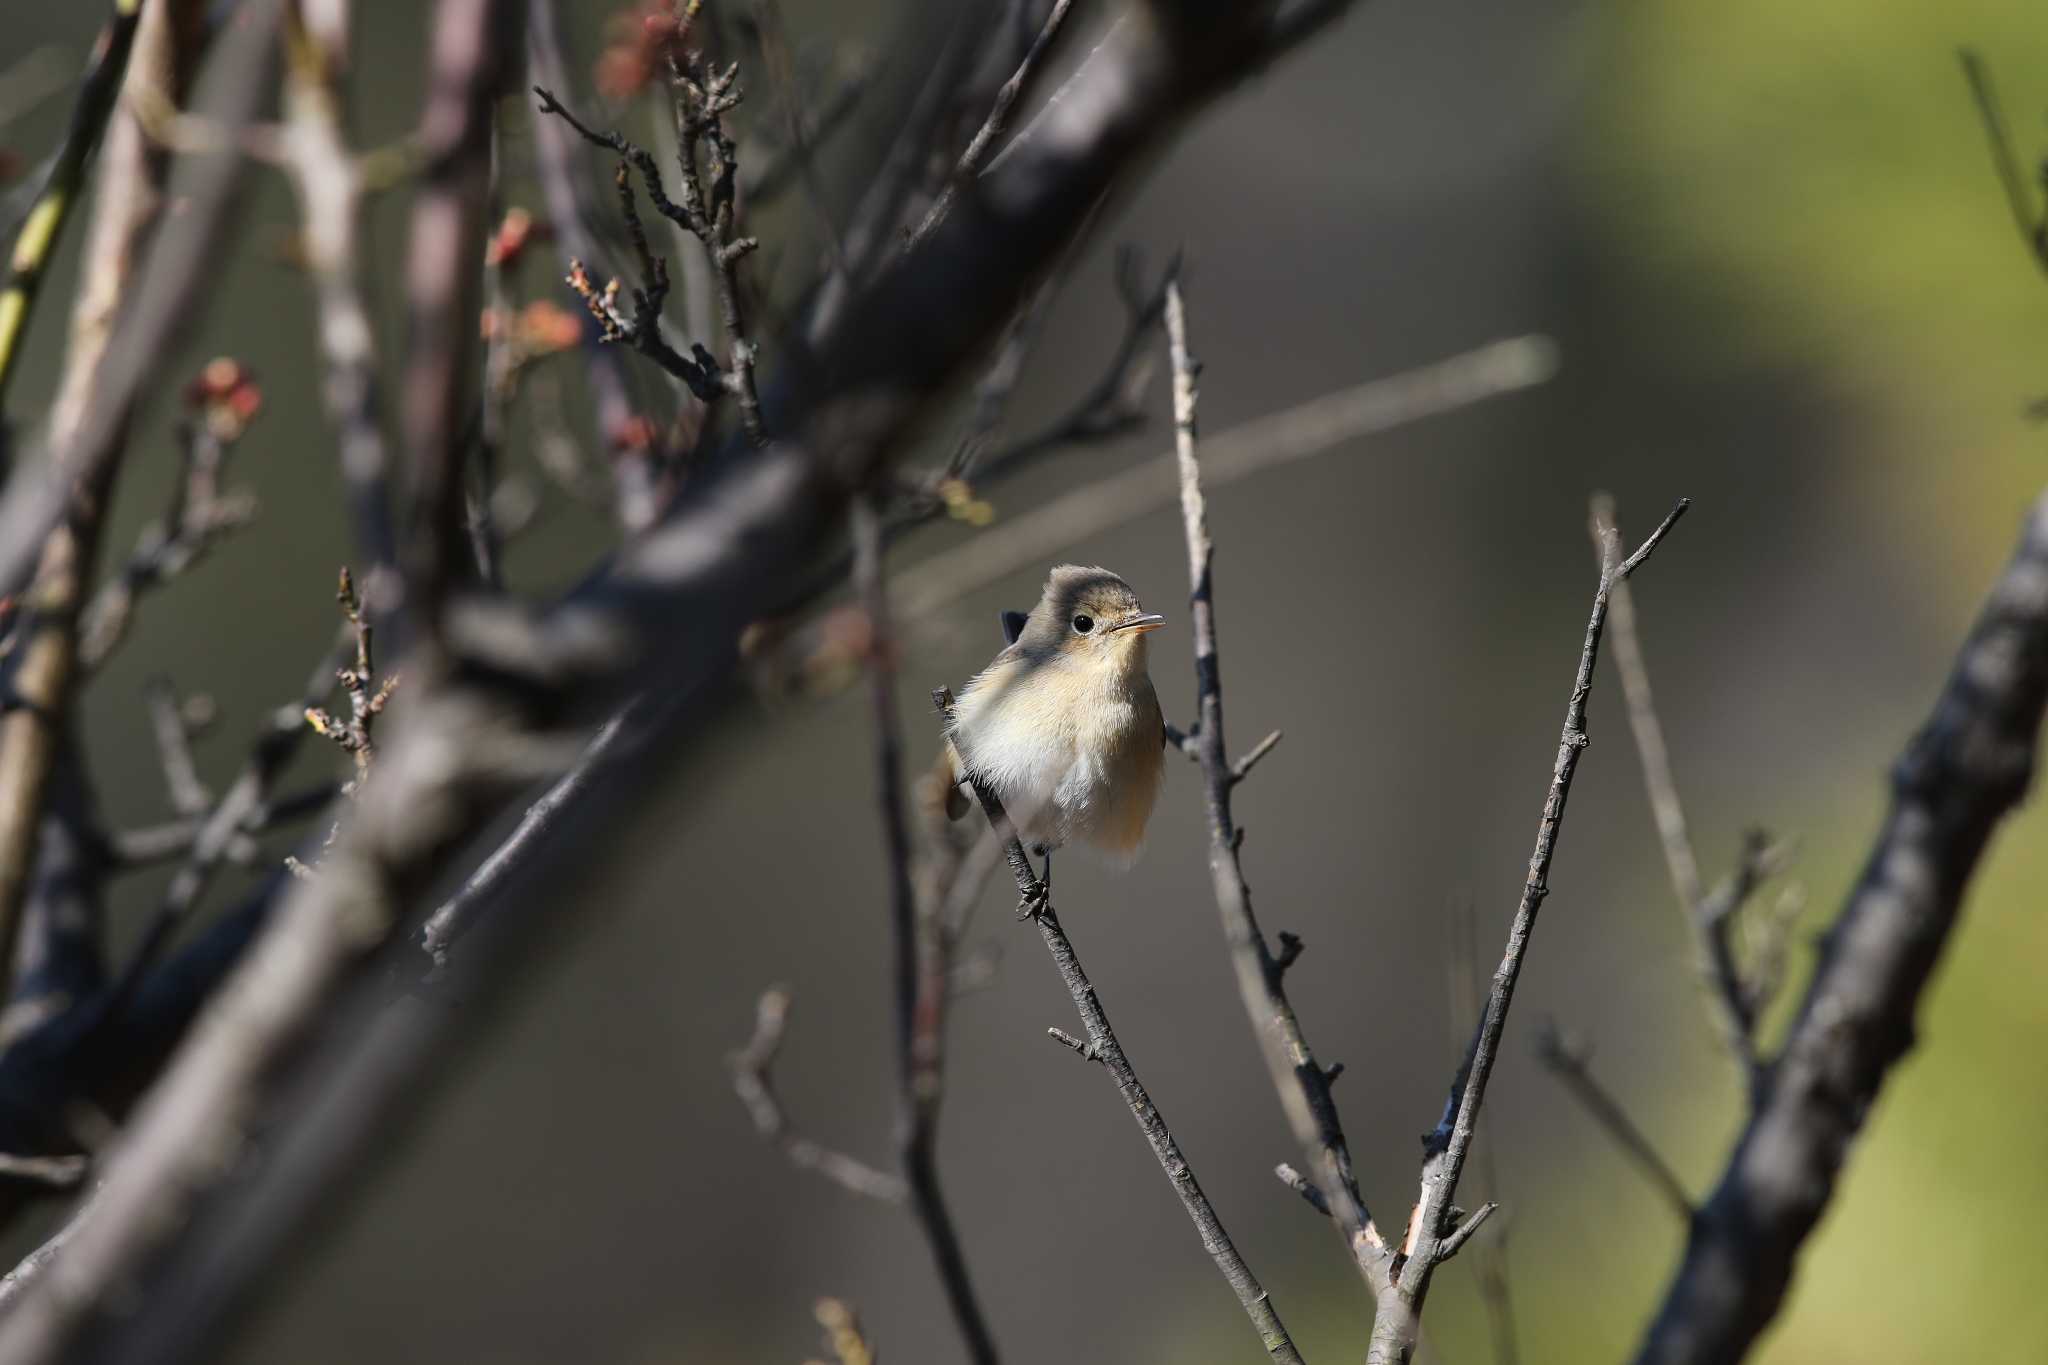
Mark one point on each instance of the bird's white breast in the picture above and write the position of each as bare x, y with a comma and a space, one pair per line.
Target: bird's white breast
1071, 757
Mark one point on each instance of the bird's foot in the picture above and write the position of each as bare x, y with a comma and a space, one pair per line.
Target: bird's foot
1036, 903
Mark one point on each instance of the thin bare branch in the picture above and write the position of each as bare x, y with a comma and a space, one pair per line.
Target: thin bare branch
1571, 1065
1710, 918
1398, 1322
1292, 434
752, 1077
2032, 223
1302, 1083
992, 128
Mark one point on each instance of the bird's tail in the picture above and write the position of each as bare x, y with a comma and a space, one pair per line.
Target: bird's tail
942, 788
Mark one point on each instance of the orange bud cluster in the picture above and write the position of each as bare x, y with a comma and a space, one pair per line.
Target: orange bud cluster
226, 397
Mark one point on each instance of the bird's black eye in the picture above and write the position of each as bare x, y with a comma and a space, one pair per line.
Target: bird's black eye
1083, 624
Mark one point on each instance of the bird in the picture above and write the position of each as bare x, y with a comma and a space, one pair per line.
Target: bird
1063, 726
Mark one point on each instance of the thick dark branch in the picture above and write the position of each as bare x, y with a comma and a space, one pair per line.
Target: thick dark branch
1966, 769
1398, 1323
1302, 1083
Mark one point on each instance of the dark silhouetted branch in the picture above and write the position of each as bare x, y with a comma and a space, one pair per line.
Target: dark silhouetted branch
1966, 769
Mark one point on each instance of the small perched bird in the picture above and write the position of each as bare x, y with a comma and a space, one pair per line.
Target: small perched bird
1063, 726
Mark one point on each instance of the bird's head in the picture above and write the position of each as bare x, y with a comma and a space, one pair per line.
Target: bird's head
1089, 617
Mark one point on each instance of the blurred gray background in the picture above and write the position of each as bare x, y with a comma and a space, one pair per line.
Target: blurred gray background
1776, 261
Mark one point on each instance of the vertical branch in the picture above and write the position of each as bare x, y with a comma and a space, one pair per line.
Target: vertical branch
329, 180
47, 671
635, 498
920, 953
470, 49
1301, 1082
1431, 1236
1709, 917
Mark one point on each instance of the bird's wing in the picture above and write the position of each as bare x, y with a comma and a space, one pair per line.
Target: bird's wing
1013, 625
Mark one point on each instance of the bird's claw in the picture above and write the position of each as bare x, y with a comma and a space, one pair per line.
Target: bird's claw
1034, 904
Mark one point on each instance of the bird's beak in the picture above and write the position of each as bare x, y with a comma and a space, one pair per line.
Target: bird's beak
1151, 620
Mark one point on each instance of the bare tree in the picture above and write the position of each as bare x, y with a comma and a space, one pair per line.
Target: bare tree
755, 452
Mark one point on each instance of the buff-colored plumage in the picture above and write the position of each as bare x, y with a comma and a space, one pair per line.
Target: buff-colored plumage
1063, 726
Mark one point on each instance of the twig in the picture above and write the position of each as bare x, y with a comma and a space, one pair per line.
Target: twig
1292, 434
1966, 769
2033, 226
1114, 405
1710, 916
35, 246
1303, 1186
992, 128
200, 513
174, 748
330, 181
170, 288
774, 46
242, 810
471, 45
612, 742
921, 961
149, 845
1569, 1064
703, 94
1496, 1289
633, 473
765, 177
751, 1077
843, 1334
1302, 1084
61, 520
1034, 899
1398, 1322
699, 370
